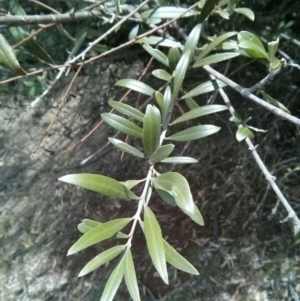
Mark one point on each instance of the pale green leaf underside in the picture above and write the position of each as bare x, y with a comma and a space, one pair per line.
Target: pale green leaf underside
130, 277
176, 185
127, 110
201, 111
178, 261
123, 125
135, 85
126, 147
155, 243
205, 87
195, 132
101, 259
215, 58
243, 133
98, 234
161, 153
101, 184
113, 282
179, 160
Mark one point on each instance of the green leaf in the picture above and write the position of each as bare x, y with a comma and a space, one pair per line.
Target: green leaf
248, 36
123, 125
101, 259
274, 102
243, 133
167, 103
166, 197
168, 12
162, 74
176, 260
201, 111
205, 87
151, 129
161, 153
126, 147
253, 50
155, 243
101, 184
98, 234
272, 48
113, 282
131, 183
8, 58
176, 185
159, 98
127, 110
174, 57
196, 216
179, 73
215, 58
207, 9
157, 54
135, 85
155, 40
192, 40
195, 132
246, 12
133, 33
130, 277
215, 43
179, 160
87, 225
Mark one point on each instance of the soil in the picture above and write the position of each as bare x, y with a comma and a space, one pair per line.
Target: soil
243, 252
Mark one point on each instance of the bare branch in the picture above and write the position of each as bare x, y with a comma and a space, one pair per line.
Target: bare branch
246, 93
48, 19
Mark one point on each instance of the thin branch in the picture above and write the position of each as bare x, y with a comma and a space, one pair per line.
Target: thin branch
18, 20
291, 213
246, 93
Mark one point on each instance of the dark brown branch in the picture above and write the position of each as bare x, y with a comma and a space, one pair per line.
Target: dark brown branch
11, 20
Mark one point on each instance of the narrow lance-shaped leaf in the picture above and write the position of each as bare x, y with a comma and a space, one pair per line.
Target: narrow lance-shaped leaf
246, 12
275, 102
253, 50
87, 225
215, 58
243, 133
161, 153
176, 185
179, 73
195, 132
101, 259
156, 40
193, 39
215, 43
8, 58
167, 103
174, 57
113, 282
130, 277
179, 160
155, 243
204, 88
135, 85
196, 216
123, 125
151, 129
157, 54
162, 74
98, 234
101, 184
201, 111
178, 261
126, 147
159, 99
127, 110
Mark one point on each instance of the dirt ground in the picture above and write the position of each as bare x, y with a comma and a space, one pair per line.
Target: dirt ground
243, 252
